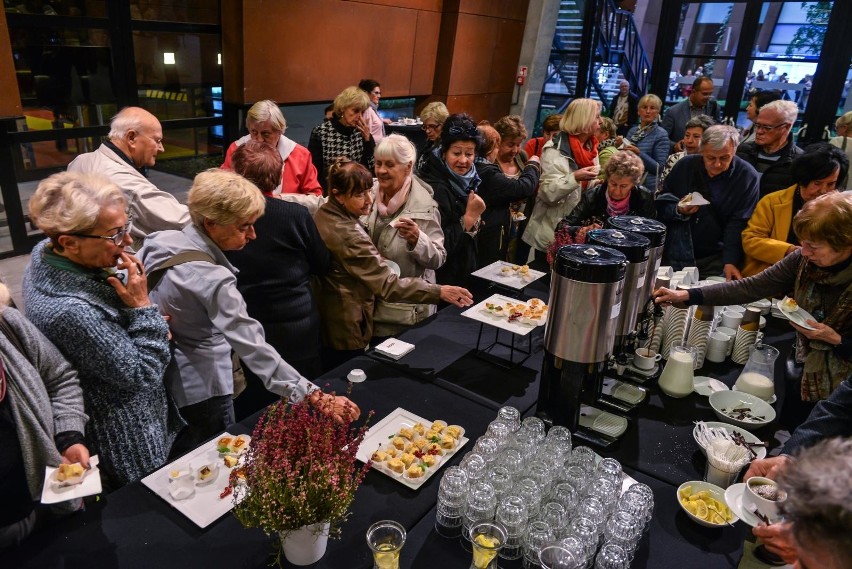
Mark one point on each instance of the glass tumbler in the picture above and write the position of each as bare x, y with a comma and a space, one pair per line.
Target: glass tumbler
586, 531
604, 490
512, 459
499, 430
577, 477
486, 538
557, 557
538, 535
451, 499
539, 471
475, 466
556, 517
501, 480
480, 506
592, 508
512, 513
487, 448
621, 529
612, 556
559, 439
386, 539
528, 490
510, 416
565, 494
611, 469
535, 426
584, 457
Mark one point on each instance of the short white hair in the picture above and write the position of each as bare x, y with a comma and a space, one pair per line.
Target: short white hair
126, 120
787, 109
719, 136
398, 148
267, 110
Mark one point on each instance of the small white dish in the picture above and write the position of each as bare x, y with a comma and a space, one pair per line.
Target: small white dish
723, 402
393, 267
734, 499
771, 400
706, 385
715, 492
356, 375
800, 316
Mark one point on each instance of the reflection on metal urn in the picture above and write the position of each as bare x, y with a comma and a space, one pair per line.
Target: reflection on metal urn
655, 232
585, 301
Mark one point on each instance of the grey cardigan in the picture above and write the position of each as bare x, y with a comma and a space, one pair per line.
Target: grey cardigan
44, 396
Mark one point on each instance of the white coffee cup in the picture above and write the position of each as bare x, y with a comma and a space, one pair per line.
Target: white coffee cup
731, 318
356, 375
717, 342
752, 500
646, 358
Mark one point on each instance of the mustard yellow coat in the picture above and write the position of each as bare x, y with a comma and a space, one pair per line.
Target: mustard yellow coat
765, 237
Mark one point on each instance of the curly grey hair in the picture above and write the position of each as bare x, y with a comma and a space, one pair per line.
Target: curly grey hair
718, 136
70, 202
625, 164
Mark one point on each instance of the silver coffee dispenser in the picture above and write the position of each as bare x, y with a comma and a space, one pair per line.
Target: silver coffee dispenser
636, 248
655, 232
585, 297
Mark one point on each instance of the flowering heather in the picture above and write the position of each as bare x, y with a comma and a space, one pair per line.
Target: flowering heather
300, 469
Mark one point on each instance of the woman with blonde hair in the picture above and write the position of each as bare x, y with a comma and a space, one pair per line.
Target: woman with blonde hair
569, 165
433, 117
265, 123
346, 134
195, 285
649, 141
843, 141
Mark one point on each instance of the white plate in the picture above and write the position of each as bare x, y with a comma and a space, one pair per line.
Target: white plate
771, 400
706, 385
512, 279
734, 399
759, 451
379, 434
393, 266
734, 499
798, 316
697, 199
521, 326
90, 485
205, 507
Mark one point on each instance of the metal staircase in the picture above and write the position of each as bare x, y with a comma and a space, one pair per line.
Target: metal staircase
615, 53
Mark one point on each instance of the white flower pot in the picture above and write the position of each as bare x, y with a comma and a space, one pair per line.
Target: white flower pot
305, 545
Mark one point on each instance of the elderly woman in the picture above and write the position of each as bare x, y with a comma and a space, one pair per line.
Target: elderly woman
506, 183
346, 134
569, 165
450, 170
371, 115
275, 274
769, 236
90, 298
405, 227
649, 140
433, 117
266, 123
194, 284
348, 292
843, 126
819, 277
695, 128
41, 421
620, 195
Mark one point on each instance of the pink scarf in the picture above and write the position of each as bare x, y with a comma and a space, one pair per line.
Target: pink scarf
616, 208
395, 202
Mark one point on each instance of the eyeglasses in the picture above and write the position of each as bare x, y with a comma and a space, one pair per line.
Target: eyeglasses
377, 93
117, 239
430, 126
766, 127
470, 131
157, 141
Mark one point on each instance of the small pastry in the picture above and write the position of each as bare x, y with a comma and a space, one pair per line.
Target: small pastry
414, 471
66, 472
438, 426
454, 431
409, 447
392, 452
419, 428
435, 448
448, 442
230, 461
238, 445
407, 459
398, 442
396, 465
790, 304
379, 456
205, 472
406, 433
432, 435
421, 444
224, 444
429, 459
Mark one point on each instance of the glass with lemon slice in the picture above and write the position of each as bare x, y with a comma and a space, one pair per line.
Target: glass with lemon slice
487, 538
386, 539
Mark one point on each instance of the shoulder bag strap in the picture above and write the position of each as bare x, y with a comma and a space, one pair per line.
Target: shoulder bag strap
155, 276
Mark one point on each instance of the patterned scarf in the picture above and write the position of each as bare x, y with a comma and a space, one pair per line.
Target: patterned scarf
606, 144
615, 208
827, 295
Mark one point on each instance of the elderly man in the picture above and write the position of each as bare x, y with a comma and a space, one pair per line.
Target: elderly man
773, 151
708, 236
624, 109
699, 102
135, 139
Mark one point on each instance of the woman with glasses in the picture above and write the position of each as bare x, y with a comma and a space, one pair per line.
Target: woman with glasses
90, 298
208, 316
769, 236
347, 294
450, 170
843, 141
818, 277
569, 166
265, 123
371, 116
346, 134
432, 116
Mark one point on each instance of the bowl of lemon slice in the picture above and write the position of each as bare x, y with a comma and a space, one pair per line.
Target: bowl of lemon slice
705, 504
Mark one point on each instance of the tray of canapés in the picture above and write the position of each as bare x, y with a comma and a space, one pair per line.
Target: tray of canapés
508, 274
409, 448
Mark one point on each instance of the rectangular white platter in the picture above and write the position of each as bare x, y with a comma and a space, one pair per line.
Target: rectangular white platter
380, 434
480, 313
205, 507
512, 279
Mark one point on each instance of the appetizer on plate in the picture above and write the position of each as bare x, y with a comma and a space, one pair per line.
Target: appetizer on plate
789, 304
396, 465
69, 474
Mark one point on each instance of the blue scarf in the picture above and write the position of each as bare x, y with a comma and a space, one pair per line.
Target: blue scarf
462, 184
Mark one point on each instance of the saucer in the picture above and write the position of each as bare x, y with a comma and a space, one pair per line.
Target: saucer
706, 385
771, 400
800, 316
734, 499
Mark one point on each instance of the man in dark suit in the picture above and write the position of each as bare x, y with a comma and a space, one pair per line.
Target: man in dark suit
624, 109
699, 102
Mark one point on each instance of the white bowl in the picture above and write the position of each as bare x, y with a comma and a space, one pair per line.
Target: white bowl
715, 492
759, 451
729, 400
356, 375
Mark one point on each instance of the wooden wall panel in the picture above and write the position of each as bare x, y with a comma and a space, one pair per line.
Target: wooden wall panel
430, 5
233, 58
10, 98
486, 54
483, 106
424, 60
510, 9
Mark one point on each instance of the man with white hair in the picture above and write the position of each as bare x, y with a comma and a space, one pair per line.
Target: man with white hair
772, 151
135, 139
708, 236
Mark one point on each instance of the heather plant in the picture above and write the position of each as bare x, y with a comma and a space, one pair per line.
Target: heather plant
300, 469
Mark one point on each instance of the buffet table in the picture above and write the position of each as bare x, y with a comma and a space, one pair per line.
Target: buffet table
441, 379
